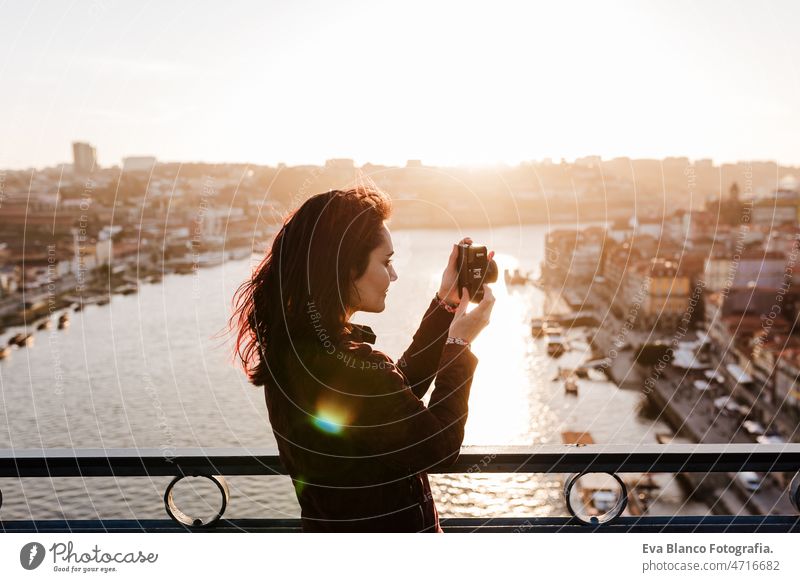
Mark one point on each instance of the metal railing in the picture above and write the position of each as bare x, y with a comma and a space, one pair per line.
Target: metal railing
578, 461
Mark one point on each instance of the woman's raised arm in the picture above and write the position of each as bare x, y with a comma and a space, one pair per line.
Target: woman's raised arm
387, 421
420, 361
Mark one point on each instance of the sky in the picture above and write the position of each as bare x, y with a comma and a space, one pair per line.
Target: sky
383, 82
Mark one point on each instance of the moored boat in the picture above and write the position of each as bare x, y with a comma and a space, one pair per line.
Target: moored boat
556, 345
21, 340
571, 386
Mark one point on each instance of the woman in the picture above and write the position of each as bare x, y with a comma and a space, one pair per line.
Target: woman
351, 428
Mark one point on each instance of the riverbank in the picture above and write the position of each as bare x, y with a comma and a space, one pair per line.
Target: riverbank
98, 286
691, 414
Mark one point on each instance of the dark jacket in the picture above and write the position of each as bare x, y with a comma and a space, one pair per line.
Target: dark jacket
354, 434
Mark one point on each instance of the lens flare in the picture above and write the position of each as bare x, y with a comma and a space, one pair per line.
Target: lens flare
330, 419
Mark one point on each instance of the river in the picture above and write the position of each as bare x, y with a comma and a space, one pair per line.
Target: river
154, 369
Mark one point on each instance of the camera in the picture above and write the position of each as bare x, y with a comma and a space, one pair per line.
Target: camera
475, 269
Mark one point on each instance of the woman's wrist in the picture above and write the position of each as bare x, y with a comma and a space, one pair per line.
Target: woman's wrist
457, 341
448, 305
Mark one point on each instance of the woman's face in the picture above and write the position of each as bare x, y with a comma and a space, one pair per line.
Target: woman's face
370, 289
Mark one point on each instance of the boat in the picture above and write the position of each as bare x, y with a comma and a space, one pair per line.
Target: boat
206, 259
564, 373
185, 269
240, 253
598, 501
539, 325
571, 386
63, 321
663, 438
93, 298
584, 318
640, 493
127, 289
552, 328
576, 438
556, 346
595, 498
598, 364
5, 351
154, 278
515, 277
46, 324
21, 340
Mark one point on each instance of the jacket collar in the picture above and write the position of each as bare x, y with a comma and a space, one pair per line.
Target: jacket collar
362, 333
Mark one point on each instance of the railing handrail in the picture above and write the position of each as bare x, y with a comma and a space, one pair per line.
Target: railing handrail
672, 458
648, 524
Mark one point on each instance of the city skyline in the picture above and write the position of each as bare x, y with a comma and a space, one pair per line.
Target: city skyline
449, 84
152, 160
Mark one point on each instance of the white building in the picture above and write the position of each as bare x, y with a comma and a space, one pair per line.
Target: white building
138, 163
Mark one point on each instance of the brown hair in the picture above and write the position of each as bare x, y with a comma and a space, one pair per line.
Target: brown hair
299, 291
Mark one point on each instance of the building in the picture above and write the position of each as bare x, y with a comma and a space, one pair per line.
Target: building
35, 213
719, 272
648, 226
698, 224
667, 298
787, 374
768, 350
781, 208
753, 268
761, 269
84, 158
783, 239
138, 164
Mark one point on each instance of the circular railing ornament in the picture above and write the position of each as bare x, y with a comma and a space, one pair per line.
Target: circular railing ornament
180, 517
794, 491
593, 503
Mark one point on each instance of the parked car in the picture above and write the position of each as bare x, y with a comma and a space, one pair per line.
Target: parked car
770, 439
750, 479
752, 427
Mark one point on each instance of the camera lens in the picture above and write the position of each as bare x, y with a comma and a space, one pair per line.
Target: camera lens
491, 272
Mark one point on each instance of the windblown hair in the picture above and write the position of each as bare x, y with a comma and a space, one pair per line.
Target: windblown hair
299, 291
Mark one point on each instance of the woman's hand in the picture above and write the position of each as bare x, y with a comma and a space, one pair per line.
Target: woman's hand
467, 326
449, 290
